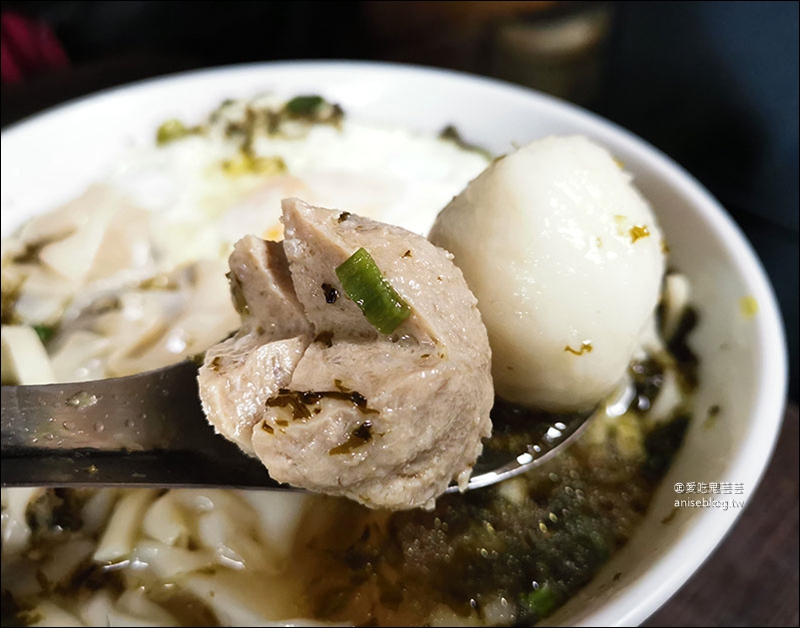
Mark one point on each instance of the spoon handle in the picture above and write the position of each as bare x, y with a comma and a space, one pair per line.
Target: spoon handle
149, 430
146, 429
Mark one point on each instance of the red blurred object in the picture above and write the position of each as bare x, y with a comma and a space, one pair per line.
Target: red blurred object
27, 47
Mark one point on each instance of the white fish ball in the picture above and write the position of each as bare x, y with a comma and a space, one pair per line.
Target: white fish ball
566, 259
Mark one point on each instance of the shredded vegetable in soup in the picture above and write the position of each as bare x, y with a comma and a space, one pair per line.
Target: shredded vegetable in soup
577, 313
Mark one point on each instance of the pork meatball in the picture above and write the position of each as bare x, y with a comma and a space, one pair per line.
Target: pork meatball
327, 401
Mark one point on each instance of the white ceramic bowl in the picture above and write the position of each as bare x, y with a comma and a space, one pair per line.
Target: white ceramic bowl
54, 156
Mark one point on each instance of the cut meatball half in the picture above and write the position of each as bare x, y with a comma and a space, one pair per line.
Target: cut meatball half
241, 373
327, 401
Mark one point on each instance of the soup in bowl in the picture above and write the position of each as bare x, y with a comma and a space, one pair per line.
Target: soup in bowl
601, 534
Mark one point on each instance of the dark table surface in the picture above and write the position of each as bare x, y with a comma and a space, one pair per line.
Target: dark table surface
750, 580
752, 577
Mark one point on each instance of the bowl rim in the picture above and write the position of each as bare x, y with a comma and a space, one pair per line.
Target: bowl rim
639, 599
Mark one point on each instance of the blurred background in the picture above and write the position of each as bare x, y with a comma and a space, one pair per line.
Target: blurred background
712, 84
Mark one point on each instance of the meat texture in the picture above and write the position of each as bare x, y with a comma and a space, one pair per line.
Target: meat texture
326, 401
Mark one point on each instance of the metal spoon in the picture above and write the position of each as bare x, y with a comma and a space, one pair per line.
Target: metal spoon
149, 430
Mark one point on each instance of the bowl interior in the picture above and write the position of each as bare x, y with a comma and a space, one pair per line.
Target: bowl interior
53, 157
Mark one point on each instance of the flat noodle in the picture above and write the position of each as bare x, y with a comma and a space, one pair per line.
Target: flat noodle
81, 356
120, 534
279, 516
165, 521
97, 509
97, 609
236, 545
169, 563
25, 360
16, 531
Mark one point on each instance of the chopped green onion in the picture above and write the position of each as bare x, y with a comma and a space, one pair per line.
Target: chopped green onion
304, 105
542, 601
45, 332
364, 283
